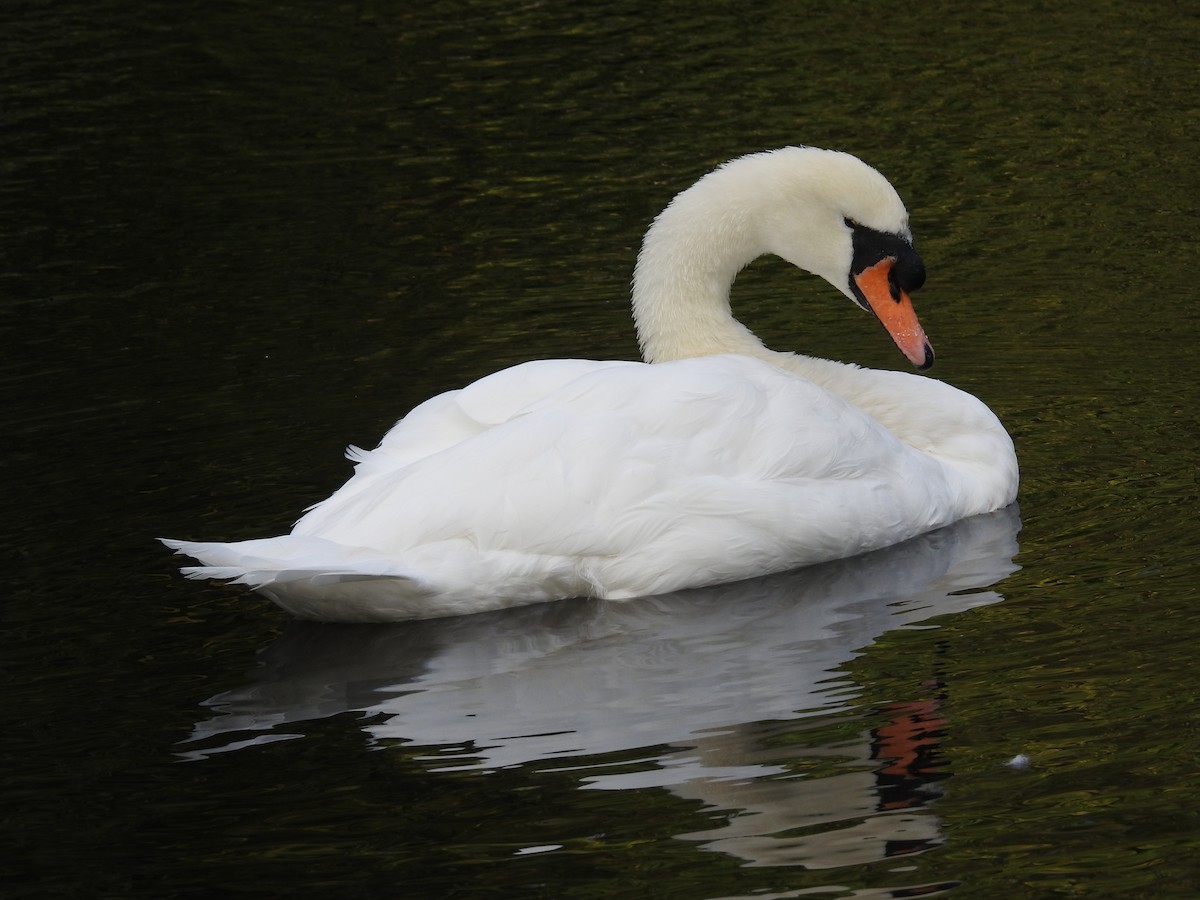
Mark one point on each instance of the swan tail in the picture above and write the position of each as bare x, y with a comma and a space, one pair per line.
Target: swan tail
315, 579
322, 580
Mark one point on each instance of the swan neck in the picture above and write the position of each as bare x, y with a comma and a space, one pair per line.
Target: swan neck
687, 265
794, 203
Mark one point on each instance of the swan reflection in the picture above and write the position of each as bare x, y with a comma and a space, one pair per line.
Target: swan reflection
703, 683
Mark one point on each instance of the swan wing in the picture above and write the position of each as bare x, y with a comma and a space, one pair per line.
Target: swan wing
570, 478
622, 470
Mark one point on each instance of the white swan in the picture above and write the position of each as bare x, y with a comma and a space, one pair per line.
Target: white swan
720, 461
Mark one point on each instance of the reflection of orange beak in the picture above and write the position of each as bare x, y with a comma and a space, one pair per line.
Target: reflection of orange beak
894, 309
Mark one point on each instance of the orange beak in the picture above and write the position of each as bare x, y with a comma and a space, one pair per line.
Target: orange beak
894, 309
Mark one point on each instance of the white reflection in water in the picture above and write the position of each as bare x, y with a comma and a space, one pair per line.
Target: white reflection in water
708, 673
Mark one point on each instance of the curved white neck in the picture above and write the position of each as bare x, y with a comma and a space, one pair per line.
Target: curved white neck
681, 286
790, 202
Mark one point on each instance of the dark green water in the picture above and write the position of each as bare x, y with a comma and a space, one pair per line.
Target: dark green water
238, 237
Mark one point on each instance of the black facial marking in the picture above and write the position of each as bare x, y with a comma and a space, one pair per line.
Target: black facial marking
871, 246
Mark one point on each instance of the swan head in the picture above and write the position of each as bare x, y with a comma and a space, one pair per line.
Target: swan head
837, 217
821, 210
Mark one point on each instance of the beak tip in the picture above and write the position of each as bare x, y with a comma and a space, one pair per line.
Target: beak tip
927, 363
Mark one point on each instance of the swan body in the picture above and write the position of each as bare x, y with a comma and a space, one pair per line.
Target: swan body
715, 460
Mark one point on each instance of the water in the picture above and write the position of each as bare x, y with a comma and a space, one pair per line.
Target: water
238, 237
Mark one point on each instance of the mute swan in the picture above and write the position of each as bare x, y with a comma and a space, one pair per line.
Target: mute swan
715, 460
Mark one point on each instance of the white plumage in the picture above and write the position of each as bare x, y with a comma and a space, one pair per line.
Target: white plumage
716, 460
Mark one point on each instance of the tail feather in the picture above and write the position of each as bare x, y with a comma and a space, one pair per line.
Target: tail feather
314, 578
284, 559
310, 577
